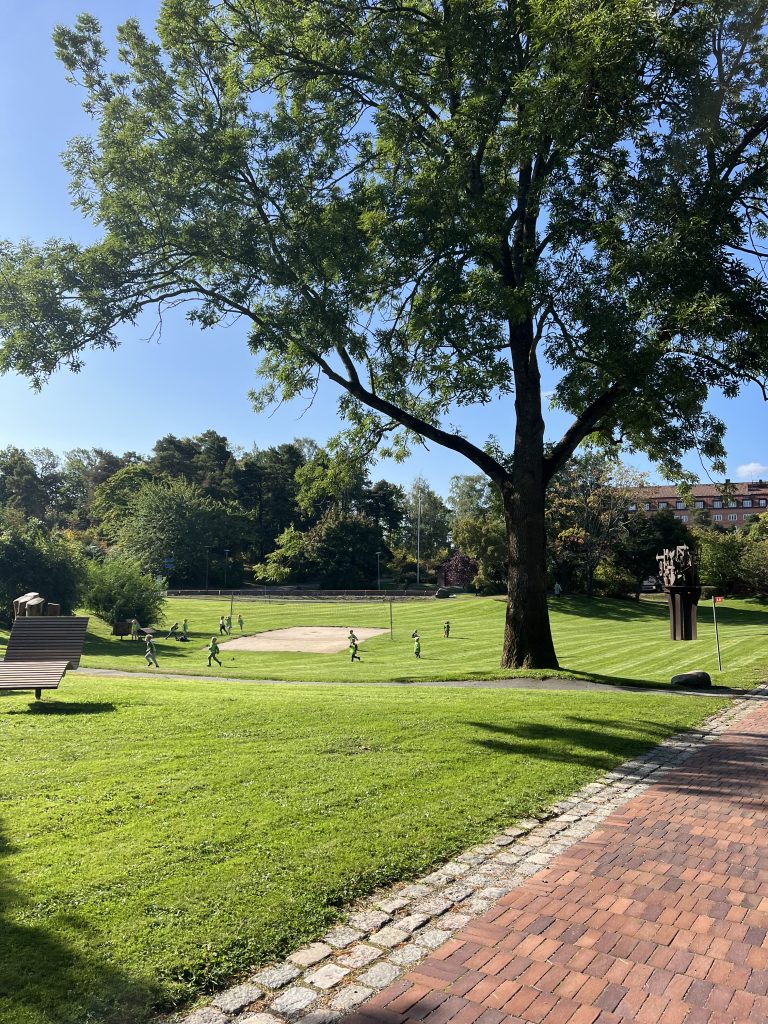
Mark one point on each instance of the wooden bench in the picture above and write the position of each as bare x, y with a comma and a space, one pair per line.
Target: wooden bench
40, 650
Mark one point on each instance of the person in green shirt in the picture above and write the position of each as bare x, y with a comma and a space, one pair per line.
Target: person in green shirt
149, 654
184, 629
417, 645
446, 629
240, 623
213, 652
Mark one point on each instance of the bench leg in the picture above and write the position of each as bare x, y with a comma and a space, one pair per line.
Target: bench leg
38, 694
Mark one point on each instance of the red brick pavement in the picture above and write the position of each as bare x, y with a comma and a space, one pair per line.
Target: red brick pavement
659, 917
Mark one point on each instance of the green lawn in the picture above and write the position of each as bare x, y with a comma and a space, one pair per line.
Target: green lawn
605, 640
160, 837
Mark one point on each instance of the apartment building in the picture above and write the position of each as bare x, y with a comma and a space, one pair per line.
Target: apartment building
742, 502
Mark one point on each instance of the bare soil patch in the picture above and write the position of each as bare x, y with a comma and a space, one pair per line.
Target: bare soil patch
302, 639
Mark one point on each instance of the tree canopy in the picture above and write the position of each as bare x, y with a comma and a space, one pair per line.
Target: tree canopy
421, 203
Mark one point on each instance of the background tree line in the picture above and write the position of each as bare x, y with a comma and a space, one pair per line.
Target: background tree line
195, 512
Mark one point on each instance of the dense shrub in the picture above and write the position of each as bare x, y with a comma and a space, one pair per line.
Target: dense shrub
118, 588
32, 558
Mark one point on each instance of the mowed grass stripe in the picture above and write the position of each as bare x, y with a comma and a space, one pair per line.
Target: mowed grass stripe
161, 837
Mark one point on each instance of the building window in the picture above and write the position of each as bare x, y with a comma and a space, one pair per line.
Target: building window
663, 504
698, 504
633, 506
679, 504
717, 503
717, 517
733, 504
647, 506
748, 515
683, 519
747, 503
762, 502
732, 517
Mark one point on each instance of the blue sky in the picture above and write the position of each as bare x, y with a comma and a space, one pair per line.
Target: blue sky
186, 381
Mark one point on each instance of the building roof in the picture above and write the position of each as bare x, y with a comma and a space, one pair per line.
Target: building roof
704, 490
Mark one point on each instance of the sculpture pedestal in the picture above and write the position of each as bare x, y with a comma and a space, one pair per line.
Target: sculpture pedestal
682, 603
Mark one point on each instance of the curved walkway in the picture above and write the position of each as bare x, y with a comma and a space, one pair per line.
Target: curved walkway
660, 916
472, 684
642, 898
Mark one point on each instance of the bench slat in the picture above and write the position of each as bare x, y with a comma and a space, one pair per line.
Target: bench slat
47, 638
45, 675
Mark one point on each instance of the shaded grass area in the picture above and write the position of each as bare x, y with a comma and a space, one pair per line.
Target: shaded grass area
161, 837
613, 641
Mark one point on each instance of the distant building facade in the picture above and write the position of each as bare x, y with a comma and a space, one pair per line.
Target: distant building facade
734, 508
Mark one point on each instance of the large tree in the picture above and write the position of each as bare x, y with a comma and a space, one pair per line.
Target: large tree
421, 202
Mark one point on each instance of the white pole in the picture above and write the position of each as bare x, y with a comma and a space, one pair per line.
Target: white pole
418, 542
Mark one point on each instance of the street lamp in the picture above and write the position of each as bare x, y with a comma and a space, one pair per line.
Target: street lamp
418, 542
378, 570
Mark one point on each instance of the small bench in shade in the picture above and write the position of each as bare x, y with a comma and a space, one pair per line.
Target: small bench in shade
40, 650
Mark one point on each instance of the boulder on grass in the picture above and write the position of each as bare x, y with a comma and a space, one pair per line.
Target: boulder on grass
697, 680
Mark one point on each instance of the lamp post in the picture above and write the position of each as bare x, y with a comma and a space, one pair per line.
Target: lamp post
378, 570
418, 541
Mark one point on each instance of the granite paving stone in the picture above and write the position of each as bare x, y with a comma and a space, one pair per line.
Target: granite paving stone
380, 975
206, 1015
327, 976
359, 956
351, 996
235, 999
368, 920
390, 936
311, 954
342, 935
292, 1001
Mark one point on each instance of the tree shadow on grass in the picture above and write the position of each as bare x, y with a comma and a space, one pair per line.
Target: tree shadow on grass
43, 980
574, 743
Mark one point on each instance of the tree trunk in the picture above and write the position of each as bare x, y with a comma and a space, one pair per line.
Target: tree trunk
527, 633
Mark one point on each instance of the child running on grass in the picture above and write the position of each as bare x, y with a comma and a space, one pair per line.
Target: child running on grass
149, 654
417, 645
353, 647
213, 652
240, 622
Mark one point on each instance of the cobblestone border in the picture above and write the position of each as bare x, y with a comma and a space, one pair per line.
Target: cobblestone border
394, 930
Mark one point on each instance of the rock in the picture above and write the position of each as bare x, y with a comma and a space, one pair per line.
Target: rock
360, 956
310, 955
276, 977
293, 1000
696, 680
206, 1015
351, 996
342, 935
327, 977
368, 920
380, 975
237, 998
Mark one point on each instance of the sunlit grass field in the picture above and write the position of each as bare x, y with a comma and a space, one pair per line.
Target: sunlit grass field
160, 837
605, 640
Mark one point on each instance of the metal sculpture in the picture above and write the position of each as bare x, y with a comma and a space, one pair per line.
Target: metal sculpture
681, 585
